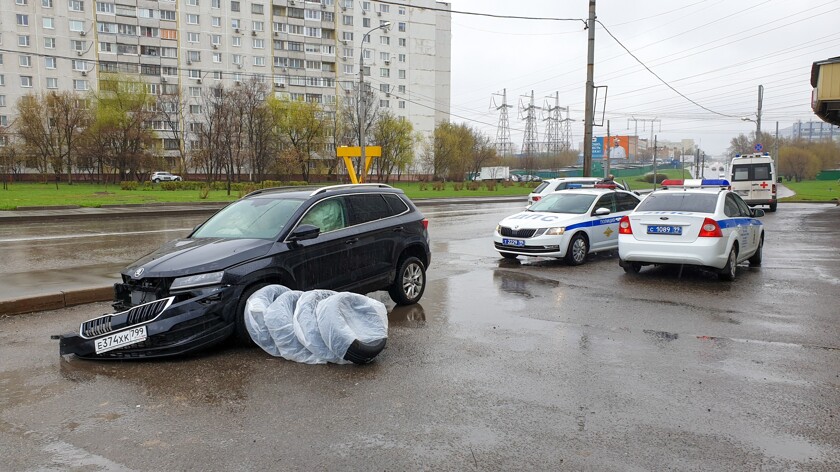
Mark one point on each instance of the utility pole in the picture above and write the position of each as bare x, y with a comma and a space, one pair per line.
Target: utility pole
607, 152
776, 149
758, 114
589, 117
654, 162
530, 140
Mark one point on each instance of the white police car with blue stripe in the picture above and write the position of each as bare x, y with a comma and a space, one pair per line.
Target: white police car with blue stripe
566, 224
692, 222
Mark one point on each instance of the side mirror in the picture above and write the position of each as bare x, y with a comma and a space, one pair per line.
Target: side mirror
757, 212
779, 180
602, 211
304, 232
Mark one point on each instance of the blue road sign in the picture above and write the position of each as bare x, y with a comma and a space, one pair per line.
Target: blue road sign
758, 147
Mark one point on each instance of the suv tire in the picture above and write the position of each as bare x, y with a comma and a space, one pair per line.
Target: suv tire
241, 331
410, 281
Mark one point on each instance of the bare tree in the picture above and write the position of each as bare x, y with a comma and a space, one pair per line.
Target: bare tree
51, 127
262, 143
396, 137
304, 129
172, 111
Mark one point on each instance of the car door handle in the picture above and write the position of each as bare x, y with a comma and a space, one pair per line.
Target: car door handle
351, 241
398, 229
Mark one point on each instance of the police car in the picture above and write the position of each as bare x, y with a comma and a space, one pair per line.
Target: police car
552, 185
566, 224
695, 222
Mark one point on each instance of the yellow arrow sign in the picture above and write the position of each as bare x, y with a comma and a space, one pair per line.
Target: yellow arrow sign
346, 152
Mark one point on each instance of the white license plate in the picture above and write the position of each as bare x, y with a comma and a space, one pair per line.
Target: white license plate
123, 338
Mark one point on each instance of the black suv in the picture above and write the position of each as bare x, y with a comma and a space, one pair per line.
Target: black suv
191, 292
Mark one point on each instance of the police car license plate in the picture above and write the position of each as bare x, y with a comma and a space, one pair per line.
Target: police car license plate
123, 338
664, 230
513, 242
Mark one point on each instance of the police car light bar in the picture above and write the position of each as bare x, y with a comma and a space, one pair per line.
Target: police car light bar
570, 186
694, 183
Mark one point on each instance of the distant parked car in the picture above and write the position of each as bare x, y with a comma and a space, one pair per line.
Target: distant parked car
164, 177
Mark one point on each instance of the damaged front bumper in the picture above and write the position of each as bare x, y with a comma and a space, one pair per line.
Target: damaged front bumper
160, 328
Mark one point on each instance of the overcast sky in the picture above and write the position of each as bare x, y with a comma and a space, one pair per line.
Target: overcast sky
715, 52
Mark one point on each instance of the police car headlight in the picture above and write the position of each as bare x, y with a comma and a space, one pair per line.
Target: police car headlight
499, 229
199, 280
556, 231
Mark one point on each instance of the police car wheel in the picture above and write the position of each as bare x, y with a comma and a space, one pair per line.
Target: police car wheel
508, 255
577, 251
755, 260
729, 270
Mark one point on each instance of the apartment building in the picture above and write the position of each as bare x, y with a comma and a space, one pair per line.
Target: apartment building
307, 49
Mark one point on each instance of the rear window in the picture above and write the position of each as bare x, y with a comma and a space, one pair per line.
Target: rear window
679, 201
541, 187
745, 172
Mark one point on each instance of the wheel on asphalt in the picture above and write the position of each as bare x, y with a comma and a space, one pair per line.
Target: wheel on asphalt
773, 206
410, 282
578, 248
363, 353
630, 267
241, 331
731, 267
508, 255
755, 260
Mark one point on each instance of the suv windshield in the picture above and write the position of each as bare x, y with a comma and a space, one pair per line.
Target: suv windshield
253, 218
564, 203
679, 201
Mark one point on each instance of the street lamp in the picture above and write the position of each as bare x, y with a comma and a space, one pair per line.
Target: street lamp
362, 109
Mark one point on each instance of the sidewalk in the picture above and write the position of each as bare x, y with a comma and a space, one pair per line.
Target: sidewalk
58, 292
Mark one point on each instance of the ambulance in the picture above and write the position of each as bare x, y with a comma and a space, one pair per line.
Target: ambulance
753, 178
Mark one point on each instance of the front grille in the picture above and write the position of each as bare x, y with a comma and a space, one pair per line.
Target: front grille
517, 233
527, 249
135, 315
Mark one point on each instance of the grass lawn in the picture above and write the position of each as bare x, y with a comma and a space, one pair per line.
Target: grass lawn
93, 195
813, 191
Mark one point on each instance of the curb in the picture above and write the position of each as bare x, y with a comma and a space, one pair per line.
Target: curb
56, 301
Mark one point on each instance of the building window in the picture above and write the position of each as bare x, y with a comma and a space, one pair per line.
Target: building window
386, 40
217, 57
49, 43
76, 5
194, 56
49, 62
25, 61
365, 22
258, 26
2, 100
22, 20
52, 82
234, 23
347, 20
401, 27
168, 34
215, 3
402, 42
216, 21
194, 73
77, 26
257, 8
347, 36
236, 41
384, 72
401, 88
366, 6
259, 43
384, 103
216, 39
401, 10
402, 73
236, 58
194, 109
26, 81
384, 8
193, 37
167, 15
80, 85
47, 3
384, 88
49, 22
192, 19
105, 8
23, 40
234, 6
78, 45
259, 61
402, 103
192, 3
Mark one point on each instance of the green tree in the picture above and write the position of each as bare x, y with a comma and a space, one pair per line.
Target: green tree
303, 129
798, 163
396, 137
120, 132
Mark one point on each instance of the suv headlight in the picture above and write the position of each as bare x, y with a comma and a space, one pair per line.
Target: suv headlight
556, 231
199, 280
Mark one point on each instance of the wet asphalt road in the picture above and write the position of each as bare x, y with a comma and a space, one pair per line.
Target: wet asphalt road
505, 365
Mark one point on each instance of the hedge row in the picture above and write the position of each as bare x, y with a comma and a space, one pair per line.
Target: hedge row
193, 185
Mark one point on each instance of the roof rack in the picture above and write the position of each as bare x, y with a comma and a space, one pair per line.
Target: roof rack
343, 186
286, 188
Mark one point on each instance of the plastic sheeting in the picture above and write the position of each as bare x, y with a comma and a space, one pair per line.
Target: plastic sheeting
313, 327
